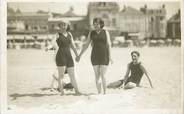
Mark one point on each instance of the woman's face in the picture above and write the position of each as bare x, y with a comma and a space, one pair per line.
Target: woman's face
96, 25
63, 26
135, 57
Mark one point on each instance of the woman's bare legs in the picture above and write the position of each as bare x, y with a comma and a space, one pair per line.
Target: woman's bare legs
97, 77
130, 85
61, 72
103, 69
71, 73
52, 84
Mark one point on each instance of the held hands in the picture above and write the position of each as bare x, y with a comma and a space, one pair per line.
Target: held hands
77, 58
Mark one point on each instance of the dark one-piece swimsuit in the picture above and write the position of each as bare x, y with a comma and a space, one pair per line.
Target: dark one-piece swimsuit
100, 52
136, 73
64, 56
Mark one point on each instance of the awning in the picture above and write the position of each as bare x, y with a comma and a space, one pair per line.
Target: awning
134, 34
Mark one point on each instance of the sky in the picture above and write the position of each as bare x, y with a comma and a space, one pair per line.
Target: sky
80, 7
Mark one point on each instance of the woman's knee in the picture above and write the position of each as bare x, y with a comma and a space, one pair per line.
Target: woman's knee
61, 70
71, 71
103, 70
130, 85
96, 70
61, 76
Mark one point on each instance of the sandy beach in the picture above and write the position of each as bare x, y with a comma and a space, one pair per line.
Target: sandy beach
30, 73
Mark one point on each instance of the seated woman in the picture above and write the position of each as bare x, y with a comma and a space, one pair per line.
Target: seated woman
136, 71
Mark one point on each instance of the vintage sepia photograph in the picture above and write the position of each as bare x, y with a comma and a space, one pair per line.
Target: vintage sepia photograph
101, 57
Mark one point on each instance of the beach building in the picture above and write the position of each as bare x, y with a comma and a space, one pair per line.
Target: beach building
26, 29
26, 22
108, 11
155, 20
78, 23
173, 26
132, 22
137, 25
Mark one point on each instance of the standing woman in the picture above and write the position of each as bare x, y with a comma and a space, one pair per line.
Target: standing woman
64, 61
101, 52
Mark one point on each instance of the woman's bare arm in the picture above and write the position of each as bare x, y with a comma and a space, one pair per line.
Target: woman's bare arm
127, 73
146, 73
85, 45
109, 45
54, 44
73, 45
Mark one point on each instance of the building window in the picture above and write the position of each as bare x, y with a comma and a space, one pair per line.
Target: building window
106, 22
161, 27
53, 26
161, 18
26, 27
152, 19
35, 28
43, 27
102, 3
75, 26
114, 22
105, 16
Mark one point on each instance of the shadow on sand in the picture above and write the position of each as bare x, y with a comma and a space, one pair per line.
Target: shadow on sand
55, 89
17, 95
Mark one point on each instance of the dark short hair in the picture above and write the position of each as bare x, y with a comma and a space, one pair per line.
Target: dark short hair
136, 52
100, 21
68, 26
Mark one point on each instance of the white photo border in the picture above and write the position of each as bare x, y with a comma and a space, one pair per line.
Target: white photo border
3, 57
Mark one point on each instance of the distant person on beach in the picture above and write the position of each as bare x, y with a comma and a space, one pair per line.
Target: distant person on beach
101, 52
63, 57
133, 80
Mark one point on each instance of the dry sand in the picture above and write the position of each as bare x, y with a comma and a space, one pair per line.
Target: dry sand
29, 76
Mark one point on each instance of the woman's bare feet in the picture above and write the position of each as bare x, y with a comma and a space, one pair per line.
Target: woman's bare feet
60, 91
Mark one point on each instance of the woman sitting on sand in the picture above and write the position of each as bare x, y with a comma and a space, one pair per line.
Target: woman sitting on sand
137, 70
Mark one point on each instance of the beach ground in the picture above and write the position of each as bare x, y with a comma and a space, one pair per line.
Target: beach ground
30, 73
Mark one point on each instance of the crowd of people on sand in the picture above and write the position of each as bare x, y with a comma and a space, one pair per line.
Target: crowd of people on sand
101, 57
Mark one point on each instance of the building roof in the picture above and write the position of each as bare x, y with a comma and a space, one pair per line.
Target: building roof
70, 13
103, 5
175, 18
70, 19
111, 4
10, 10
130, 11
29, 14
56, 15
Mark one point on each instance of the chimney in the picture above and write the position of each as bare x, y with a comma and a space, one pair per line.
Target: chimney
144, 9
145, 6
163, 6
